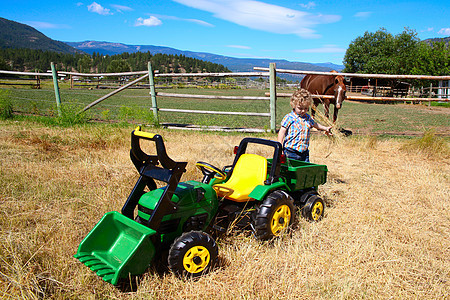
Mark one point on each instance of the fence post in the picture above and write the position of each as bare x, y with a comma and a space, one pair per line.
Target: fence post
56, 87
430, 94
153, 93
273, 96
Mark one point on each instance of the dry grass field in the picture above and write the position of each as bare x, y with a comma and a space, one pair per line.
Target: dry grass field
385, 235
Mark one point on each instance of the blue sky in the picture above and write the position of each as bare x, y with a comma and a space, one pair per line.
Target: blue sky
306, 31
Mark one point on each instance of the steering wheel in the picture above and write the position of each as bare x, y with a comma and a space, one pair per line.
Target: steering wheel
209, 170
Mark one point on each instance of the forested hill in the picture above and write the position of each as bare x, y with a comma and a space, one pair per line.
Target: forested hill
32, 60
23, 48
17, 35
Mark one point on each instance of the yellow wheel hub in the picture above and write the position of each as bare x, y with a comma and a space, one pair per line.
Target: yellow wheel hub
317, 211
196, 259
280, 219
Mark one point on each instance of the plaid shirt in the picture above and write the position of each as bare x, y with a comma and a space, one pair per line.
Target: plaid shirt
298, 131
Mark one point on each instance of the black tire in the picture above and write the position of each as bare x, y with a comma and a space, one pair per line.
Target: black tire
275, 215
300, 201
314, 209
193, 254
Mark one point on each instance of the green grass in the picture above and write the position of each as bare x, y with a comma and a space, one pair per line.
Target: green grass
133, 105
442, 104
6, 106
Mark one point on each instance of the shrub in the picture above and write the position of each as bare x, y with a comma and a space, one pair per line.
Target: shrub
6, 106
136, 113
70, 115
429, 144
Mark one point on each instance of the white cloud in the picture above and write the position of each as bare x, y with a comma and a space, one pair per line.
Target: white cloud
324, 49
444, 31
121, 8
429, 29
363, 14
152, 21
262, 16
309, 5
239, 47
199, 22
97, 8
196, 21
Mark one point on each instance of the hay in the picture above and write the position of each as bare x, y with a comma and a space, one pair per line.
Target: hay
385, 233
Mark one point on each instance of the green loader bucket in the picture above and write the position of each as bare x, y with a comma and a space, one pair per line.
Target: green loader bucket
117, 247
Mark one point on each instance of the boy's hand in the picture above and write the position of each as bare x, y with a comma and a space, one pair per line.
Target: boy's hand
328, 131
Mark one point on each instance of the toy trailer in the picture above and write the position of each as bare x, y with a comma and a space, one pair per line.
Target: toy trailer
303, 179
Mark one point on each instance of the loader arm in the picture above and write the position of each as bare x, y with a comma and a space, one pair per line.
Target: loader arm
147, 165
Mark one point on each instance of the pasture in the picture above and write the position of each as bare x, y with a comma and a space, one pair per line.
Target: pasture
134, 106
386, 231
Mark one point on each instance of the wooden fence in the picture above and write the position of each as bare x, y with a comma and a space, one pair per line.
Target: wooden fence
152, 75
259, 72
38, 75
375, 76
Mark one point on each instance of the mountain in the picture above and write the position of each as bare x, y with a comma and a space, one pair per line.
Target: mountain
331, 66
17, 35
446, 40
232, 63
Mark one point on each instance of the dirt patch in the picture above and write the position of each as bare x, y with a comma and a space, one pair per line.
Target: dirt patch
426, 108
443, 132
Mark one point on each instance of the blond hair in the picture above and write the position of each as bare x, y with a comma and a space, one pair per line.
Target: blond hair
301, 96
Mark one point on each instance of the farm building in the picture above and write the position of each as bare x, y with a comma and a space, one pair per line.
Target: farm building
379, 87
443, 91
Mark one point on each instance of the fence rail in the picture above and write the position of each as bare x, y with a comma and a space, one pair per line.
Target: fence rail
27, 73
367, 98
236, 113
103, 74
212, 96
236, 74
419, 77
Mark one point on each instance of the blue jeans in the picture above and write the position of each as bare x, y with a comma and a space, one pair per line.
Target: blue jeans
293, 154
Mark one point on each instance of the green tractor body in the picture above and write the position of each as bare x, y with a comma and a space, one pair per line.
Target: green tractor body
175, 218
196, 206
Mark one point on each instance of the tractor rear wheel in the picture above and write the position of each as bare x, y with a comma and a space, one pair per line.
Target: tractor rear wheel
313, 209
193, 254
274, 215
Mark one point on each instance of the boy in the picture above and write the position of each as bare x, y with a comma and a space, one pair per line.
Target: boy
296, 127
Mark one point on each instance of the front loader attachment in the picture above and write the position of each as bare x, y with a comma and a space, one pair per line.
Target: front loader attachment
117, 247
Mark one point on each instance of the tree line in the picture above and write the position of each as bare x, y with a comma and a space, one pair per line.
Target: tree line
381, 52
39, 60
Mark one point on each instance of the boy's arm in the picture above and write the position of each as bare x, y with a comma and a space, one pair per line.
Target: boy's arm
323, 128
281, 134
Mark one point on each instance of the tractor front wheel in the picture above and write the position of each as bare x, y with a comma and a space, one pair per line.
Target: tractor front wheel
193, 254
313, 209
274, 215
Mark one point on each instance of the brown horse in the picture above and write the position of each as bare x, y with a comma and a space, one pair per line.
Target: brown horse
326, 85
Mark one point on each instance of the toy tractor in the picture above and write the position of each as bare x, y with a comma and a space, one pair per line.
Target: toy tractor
181, 218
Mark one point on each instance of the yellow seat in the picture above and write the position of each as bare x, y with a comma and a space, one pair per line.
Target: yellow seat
249, 171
